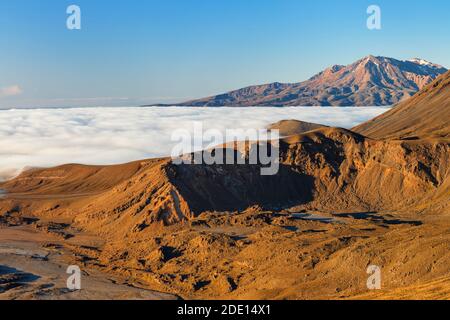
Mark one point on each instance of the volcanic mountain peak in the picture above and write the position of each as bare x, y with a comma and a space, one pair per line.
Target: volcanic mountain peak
370, 81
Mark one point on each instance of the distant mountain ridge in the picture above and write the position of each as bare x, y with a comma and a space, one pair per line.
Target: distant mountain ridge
371, 81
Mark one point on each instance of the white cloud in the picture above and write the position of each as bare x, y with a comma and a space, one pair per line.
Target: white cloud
10, 91
48, 137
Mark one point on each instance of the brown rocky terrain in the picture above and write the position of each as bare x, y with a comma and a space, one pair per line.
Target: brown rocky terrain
371, 81
341, 201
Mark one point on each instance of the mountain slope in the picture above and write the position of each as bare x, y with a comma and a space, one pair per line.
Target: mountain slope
292, 127
371, 81
425, 115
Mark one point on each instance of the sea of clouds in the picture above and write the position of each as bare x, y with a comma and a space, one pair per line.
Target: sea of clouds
49, 137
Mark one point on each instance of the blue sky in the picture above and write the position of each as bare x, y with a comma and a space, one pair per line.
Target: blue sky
145, 51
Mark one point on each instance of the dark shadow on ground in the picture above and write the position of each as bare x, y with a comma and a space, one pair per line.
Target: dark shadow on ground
378, 218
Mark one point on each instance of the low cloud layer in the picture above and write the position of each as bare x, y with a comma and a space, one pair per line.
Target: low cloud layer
10, 91
49, 137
